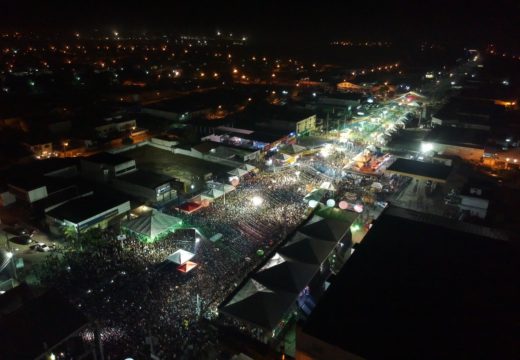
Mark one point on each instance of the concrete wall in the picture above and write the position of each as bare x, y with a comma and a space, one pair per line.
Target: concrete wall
163, 143
7, 198
125, 168
28, 196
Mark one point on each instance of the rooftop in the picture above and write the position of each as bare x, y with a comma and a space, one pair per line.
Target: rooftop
84, 208
471, 138
107, 158
425, 287
36, 181
145, 178
420, 169
470, 111
178, 166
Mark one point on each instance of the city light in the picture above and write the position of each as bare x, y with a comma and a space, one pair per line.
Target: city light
426, 147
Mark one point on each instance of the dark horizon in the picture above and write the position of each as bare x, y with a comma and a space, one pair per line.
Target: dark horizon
398, 21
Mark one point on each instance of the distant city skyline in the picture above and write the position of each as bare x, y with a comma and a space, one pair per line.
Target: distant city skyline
460, 21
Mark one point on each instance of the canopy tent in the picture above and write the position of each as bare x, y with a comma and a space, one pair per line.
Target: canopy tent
180, 257
411, 98
211, 194
190, 207
327, 185
285, 274
220, 186
325, 229
187, 267
259, 305
284, 157
237, 172
307, 250
293, 149
248, 167
152, 226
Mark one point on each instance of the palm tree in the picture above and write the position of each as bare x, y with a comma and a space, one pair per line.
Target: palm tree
71, 235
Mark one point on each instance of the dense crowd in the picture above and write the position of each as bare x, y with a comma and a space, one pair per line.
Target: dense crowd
135, 294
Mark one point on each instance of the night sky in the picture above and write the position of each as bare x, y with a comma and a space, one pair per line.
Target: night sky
463, 21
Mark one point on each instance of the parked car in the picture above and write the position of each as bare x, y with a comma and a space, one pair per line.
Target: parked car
19, 231
22, 239
41, 247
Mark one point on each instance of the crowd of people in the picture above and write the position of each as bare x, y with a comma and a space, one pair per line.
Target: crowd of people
141, 301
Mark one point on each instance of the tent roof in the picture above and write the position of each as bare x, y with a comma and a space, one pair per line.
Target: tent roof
180, 257
286, 275
325, 229
212, 193
237, 172
152, 224
220, 186
258, 305
248, 167
327, 185
282, 156
307, 250
187, 266
293, 149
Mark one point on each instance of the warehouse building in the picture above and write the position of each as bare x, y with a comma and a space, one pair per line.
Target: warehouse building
87, 212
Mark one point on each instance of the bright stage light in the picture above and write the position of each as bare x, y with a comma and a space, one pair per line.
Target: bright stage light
257, 200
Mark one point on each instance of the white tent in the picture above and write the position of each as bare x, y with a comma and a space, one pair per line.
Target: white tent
211, 194
327, 185
248, 167
180, 257
237, 172
220, 186
152, 224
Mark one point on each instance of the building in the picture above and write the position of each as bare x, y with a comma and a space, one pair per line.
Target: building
106, 166
41, 148
284, 120
343, 99
86, 212
29, 190
226, 152
419, 286
468, 114
420, 170
148, 186
502, 95
115, 124
249, 139
288, 281
468, 144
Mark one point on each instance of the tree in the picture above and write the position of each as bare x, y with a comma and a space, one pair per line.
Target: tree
71, 234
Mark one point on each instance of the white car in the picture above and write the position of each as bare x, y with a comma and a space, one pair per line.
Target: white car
41, 247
